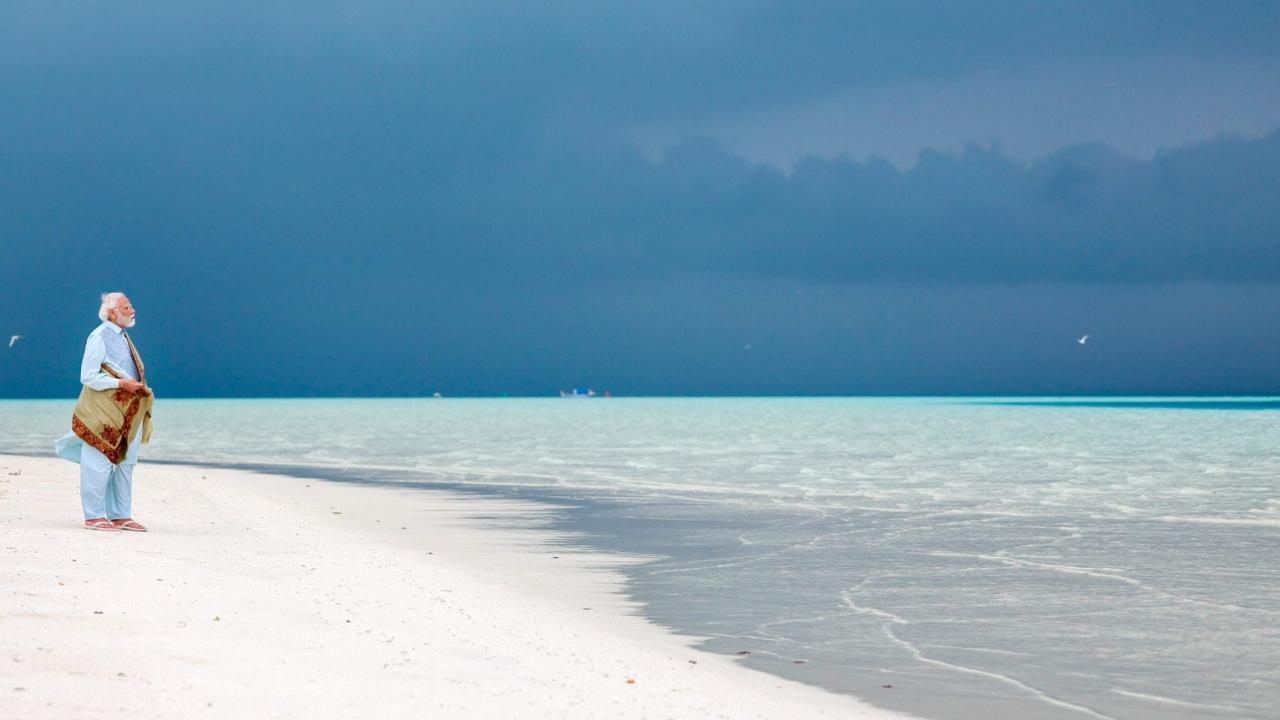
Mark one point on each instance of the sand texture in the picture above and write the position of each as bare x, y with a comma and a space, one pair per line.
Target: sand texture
264, 596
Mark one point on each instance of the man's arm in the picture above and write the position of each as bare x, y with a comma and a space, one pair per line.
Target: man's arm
91, 374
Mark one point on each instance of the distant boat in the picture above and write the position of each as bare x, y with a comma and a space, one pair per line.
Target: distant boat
578, 393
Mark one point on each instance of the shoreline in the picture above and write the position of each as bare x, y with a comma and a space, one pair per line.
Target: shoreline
270, 595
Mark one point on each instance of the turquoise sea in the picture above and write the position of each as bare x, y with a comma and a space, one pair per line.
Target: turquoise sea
953, 557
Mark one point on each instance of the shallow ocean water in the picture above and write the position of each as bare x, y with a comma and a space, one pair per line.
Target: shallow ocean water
1035, 557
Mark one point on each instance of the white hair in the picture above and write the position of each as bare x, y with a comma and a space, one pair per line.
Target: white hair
109, 302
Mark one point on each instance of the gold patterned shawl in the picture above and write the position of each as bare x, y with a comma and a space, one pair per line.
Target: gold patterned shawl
107, 419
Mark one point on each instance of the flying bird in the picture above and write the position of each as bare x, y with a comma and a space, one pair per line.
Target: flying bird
1082, 339
13, 340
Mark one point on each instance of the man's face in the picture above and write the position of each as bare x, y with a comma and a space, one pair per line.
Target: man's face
123, 314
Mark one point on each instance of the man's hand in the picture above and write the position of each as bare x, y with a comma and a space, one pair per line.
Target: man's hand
132, 386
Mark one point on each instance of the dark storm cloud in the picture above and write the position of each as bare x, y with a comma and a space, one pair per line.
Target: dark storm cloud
630, 60
1084, 214
382, 197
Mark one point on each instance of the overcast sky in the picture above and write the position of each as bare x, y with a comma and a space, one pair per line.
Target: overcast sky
400, 198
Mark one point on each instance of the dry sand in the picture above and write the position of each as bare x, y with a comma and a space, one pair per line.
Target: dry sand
263, 596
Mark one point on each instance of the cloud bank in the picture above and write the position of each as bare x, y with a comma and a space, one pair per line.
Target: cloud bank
390, 198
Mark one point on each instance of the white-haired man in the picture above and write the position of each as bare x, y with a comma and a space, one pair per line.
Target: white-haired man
111, 420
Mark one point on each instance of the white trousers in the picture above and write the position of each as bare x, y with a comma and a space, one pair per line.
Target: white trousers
106, 490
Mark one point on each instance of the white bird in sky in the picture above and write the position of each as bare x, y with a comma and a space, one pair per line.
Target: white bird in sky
13, 340
1083, 339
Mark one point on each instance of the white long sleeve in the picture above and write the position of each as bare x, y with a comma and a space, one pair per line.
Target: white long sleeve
91, 374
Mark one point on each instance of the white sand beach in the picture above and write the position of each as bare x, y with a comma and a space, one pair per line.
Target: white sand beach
276, 597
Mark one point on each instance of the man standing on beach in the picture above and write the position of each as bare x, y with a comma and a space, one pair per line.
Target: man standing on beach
111, 420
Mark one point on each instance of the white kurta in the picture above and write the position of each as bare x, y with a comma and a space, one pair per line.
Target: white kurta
106, 345
106, 490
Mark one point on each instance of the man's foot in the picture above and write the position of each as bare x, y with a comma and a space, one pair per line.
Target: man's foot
128, 524
100, 524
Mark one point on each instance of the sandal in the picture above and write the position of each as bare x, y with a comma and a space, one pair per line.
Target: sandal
128, 524
100, 524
